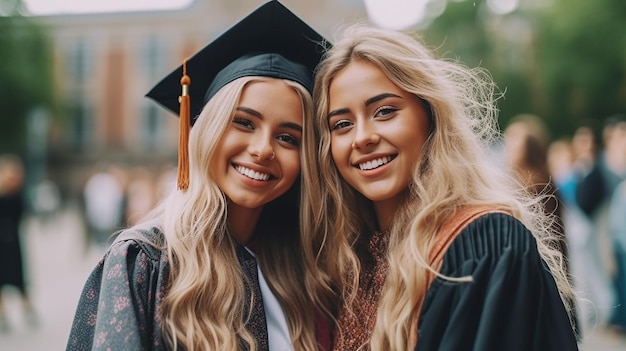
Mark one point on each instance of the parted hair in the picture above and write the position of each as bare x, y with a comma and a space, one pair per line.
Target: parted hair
463, 126
204, 306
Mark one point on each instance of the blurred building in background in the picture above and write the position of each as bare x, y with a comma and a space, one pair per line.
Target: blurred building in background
104, 64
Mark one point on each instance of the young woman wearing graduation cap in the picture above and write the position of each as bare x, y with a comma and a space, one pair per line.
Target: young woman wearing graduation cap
424, 243
218, 265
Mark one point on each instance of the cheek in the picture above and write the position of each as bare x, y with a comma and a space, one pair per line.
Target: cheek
416, 160
417, 146
213, 168
291, 168
223, 145
339, 149
333, 152
219, 154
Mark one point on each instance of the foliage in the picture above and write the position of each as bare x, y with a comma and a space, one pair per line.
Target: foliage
568, 66
582, 52
463, 33
25, 78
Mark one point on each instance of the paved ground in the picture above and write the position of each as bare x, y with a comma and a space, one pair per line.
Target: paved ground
59, 265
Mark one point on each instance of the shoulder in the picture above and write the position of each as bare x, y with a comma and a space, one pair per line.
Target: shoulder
490, 238
148, 241
508, 278
120, 303
135, 258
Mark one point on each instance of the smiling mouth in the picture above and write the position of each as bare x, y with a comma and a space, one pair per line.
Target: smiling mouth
373, 164
252, 174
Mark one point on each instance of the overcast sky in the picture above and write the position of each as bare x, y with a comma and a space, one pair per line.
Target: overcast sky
48, 7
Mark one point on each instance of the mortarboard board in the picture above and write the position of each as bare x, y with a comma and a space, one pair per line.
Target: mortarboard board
271, 42
271, 28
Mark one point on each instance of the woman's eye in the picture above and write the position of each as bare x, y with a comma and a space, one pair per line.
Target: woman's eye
344, 123
286, 138
244, 122
385, 111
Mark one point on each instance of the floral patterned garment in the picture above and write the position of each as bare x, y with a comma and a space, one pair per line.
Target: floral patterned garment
357, 326
119, 306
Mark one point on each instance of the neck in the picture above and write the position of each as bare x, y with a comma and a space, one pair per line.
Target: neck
242, 222
386, 211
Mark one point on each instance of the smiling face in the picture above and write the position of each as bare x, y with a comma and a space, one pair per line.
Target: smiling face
258, 157
377, 133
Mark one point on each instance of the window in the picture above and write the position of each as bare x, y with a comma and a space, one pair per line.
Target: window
152, 130
153, 58
78, 63
80, 125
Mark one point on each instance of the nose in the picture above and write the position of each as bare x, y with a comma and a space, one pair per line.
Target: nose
260, 147
366, 135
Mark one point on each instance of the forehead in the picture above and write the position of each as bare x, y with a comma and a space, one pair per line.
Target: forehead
267, 88
272, 97
359, 71
359, 79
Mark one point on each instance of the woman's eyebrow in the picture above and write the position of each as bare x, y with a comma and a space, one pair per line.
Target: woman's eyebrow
259, 115
336, 112
368, 102
379, 97
250, 111
292, 125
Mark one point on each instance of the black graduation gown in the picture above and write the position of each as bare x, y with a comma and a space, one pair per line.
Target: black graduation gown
11, 261
512, 304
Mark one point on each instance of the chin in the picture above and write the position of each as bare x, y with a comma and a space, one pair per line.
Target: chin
247, 202
375, 196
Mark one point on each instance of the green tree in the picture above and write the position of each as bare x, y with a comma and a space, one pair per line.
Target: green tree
25, 74
465, 32
564, 60
581, 52
458, 33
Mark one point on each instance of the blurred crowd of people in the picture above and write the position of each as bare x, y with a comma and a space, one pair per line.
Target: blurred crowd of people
112, 197
586, 173
116, 197
12, 210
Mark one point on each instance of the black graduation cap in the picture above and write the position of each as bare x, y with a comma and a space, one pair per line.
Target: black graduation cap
270, 42
245, 50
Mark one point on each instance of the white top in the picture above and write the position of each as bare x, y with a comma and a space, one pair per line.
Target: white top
277, 331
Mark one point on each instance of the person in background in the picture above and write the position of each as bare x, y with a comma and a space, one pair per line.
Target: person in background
140, 195
568, 159
104, 201
585, 150
594, 193
560, 163
12, 207
526, 142
423, 242
615, 157
218, 264
47, 201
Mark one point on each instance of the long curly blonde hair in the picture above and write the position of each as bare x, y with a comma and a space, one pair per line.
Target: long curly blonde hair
204, 306
464, 126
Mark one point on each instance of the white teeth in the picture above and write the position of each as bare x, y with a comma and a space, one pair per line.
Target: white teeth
252, 174
365, 166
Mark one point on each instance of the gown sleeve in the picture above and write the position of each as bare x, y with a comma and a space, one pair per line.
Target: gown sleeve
118, 307
511, 304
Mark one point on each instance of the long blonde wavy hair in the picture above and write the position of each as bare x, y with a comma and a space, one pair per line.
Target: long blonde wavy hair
464, 124
204, 307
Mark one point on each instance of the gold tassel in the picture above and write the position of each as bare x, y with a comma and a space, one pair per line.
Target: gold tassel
183, 136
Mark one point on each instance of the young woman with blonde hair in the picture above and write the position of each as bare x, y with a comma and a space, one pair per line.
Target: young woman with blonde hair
217, 265
424, 242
